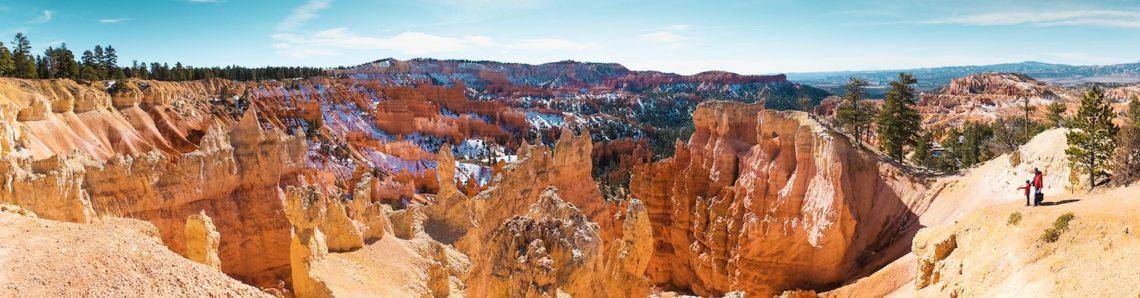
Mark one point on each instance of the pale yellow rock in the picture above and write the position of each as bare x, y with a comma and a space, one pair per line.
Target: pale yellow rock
341, 233
202, 240
408, 223
13, 209
306, 208
369, 215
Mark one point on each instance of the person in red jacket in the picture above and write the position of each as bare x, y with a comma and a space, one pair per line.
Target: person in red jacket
1026, 188
1038, 183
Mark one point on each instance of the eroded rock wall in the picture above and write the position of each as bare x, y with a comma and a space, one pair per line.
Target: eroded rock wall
159, 155
542, 228
765, 201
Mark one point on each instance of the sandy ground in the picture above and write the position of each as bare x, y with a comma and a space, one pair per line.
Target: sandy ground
109, 258
988, 194
1098, 256
387, 268
996, 181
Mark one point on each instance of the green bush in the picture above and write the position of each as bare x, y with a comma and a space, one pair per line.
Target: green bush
1060, 225
1014, 218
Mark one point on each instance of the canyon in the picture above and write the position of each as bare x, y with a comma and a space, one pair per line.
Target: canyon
485, 179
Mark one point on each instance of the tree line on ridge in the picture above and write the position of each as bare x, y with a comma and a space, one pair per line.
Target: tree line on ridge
102, 63
1099, 148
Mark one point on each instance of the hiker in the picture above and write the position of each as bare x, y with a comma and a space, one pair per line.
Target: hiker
1038, 183
1026, 188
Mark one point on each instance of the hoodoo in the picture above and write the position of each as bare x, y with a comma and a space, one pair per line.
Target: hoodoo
433, 177
765, 201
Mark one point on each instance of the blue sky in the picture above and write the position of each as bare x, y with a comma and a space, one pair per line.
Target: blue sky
754, 37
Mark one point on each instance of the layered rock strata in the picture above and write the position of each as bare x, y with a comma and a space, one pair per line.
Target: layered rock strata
765, 201
542, 228
159, 155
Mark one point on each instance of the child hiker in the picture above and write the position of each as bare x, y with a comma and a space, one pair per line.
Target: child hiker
1026, 188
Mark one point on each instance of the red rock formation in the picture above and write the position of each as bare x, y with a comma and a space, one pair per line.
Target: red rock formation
548, 196
649, 79
1123, 93
161, 166
765, 201
986, 97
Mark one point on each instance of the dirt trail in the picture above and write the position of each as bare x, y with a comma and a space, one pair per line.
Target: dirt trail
976, 205
996, 181
1094, 256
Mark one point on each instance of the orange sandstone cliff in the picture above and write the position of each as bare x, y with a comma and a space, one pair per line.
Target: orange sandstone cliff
764, 201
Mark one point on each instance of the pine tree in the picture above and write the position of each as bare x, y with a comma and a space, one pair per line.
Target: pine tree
1126, 159
89, 67
1026, 130
51, 63
178, 72
1056, 116
1093, 138
134, 71
43, 68
62, 62
805, 104
24, 63
111, 63
155, 71
969, 146
922, 149
100, 61
6, 64
1010, 132
898, 122
853, 115
167, 74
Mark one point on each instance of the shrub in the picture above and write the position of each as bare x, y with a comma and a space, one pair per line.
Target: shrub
1014, 218
1060, 225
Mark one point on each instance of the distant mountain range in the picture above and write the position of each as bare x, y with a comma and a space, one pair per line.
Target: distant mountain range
930, 78
573, 78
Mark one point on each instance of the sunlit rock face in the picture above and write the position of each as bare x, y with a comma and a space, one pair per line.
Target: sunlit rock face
986, 97
208, 164
153, 151
764, 201
542, 228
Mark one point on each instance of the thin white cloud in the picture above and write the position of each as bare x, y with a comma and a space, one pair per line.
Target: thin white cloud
333, 42
671, 36
493, 2
549, 44
44, 17
1098, 18
491, 5
663, 37
114, 21
204, 1
480, 41
302, 14
294, 41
